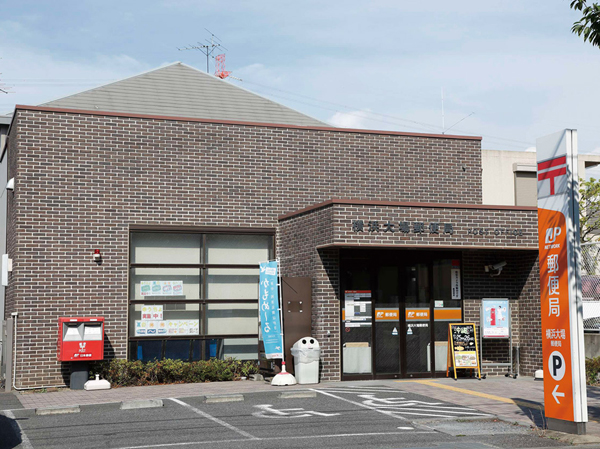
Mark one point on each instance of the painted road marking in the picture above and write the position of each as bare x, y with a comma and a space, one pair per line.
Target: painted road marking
384, 412
529, 404
355, 390
25, 443
413, 407
267, 411
395, 406
212, 418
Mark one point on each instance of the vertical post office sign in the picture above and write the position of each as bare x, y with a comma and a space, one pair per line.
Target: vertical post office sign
560, 281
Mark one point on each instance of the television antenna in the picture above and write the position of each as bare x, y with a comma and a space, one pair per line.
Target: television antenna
220, 71
3, 88
206, 48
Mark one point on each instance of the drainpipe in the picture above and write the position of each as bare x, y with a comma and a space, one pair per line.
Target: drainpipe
16, 315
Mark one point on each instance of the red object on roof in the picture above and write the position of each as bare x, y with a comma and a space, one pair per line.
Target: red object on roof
220, 68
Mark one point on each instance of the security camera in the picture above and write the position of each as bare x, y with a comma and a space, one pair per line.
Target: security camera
496, 267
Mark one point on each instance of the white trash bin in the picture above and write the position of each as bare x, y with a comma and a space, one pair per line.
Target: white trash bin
307, 353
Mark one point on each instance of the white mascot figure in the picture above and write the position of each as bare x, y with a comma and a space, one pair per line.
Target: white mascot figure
307, 353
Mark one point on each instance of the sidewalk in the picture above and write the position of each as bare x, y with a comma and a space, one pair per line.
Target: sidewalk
515, 400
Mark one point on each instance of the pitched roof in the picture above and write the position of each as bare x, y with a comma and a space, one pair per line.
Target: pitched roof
178, 90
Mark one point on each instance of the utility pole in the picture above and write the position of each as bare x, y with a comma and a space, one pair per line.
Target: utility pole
206, 49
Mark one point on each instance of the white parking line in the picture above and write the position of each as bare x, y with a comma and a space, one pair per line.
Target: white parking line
212, 418
25, 443
301, 437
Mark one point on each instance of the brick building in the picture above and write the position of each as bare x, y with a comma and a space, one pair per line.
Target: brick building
173, 194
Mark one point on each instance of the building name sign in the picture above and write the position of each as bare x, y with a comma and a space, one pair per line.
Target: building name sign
417, 227
495, 231
431, 228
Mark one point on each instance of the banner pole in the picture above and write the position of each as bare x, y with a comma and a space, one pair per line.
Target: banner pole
280, 308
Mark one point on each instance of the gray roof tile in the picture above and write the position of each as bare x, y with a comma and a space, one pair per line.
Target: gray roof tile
178, 90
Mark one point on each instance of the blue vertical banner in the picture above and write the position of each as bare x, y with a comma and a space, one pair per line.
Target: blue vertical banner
270, 322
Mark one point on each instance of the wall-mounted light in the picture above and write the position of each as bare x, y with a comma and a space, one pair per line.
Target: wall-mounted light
97, 256
11, 184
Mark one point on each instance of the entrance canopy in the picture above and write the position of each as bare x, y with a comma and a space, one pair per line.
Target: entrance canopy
358, 223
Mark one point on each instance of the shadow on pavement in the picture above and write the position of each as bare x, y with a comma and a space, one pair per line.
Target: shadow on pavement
10, 434
534, 413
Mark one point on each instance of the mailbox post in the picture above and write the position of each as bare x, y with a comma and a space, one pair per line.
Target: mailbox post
80, 340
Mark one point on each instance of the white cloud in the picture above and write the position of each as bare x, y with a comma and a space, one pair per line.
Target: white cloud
35, 78
530, 150
353, 119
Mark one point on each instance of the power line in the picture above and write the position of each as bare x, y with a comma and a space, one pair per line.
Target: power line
428, 126
342, 105
464, 118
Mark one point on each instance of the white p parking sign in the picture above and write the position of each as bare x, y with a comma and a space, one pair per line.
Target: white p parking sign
557, 366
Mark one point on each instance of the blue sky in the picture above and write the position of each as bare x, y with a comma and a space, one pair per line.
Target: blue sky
514, 65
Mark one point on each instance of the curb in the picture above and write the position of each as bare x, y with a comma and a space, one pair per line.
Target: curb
57, 410
299, 394
141, 403
572, 439
218, 398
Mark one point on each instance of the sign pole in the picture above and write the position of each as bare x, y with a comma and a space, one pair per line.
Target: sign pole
565, 399
280, 309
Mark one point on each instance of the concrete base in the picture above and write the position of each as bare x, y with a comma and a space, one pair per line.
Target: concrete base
218, 398
560, 425
141, 403
80, 373
58, 410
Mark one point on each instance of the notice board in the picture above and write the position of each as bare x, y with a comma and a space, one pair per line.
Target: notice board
462, 347
495, 318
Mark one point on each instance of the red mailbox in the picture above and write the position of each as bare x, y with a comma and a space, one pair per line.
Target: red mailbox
80, 339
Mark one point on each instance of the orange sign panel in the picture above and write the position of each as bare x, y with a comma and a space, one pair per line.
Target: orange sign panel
453, 314
417, 314
556, 337
387, 315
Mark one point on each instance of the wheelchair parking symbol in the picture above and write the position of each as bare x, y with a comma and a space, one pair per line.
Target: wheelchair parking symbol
267, 411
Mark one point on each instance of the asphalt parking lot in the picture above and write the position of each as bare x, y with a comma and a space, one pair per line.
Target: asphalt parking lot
345, 417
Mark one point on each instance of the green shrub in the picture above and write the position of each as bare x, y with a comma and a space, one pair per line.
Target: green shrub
592, 370
124, 373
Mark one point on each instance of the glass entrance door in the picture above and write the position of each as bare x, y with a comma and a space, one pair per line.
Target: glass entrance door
387, 321
357, 320
396, 306
417, 312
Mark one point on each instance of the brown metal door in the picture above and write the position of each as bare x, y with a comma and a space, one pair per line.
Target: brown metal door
296, 303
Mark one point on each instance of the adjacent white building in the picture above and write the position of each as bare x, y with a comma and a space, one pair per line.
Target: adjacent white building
509, 177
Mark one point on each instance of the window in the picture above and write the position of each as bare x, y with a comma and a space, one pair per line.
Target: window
193, 296
525, 185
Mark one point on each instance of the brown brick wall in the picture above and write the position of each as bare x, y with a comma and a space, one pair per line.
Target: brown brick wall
82, 180
519, 282
471, 227
298, 239
301, 234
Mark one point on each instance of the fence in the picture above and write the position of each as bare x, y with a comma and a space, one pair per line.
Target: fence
590, 285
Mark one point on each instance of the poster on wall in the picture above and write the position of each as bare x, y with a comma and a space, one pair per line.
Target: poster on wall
167, 327
455, 279
270, 320
154, 312
357, 308
495, 318
161, 288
